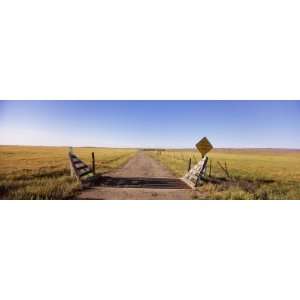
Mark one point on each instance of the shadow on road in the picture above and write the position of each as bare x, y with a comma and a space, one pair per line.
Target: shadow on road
141, 182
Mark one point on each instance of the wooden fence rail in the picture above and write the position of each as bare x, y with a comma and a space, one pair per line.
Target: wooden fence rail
82, 171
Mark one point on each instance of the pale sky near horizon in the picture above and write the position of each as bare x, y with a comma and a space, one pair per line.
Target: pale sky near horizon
178, 124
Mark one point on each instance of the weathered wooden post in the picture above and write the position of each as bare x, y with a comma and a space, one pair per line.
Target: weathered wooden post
224, 169
93, 163
189, 164
202, 170
72, 174
209, 168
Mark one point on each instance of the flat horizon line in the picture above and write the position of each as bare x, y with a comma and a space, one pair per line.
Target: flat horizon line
155, 148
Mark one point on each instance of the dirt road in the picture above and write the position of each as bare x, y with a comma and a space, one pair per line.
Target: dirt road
142, 177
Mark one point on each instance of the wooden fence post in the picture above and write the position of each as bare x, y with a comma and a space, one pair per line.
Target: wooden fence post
209, 168
189, 164
93, 163
224, 169
71, 170
72, 174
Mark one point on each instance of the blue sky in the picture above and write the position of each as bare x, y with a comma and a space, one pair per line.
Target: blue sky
231, 124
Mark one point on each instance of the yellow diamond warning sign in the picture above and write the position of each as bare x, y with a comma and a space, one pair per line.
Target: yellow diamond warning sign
204, 146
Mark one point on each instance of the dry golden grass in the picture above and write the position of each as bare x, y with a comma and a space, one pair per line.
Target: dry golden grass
256, 174
44, 173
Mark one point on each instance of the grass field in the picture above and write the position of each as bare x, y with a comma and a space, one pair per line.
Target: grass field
255, 174
44, 173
